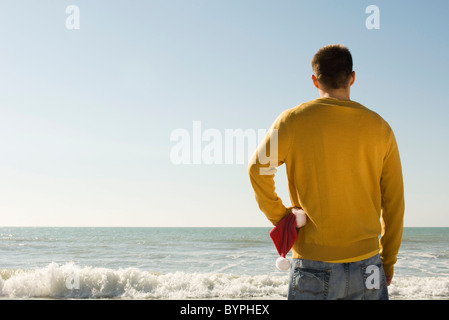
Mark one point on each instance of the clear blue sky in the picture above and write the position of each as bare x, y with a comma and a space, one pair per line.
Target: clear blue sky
86, 115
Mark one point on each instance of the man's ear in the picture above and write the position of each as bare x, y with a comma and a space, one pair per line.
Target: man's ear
315, 82
351, 82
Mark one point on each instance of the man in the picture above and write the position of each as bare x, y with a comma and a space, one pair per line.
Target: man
344, 171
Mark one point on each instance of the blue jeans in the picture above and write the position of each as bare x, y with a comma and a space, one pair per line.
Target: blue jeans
316, 280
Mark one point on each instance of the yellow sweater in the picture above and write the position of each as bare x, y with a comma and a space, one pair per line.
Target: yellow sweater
344, 171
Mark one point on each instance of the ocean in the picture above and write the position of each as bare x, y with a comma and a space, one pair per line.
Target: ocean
183, 263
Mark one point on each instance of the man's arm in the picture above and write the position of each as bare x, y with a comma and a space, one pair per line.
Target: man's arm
270, 154
393, 206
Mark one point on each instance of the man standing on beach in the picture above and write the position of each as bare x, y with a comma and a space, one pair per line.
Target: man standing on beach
344, 171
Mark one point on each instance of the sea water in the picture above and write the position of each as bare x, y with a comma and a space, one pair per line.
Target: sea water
184, 263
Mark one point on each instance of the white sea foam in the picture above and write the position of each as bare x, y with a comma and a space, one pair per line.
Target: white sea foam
56, 281
419, 288
68, 280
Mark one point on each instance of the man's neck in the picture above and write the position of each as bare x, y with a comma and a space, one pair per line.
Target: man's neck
336, 94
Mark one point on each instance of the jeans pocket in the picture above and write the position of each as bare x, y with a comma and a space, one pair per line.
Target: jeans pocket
375, 282
309, 284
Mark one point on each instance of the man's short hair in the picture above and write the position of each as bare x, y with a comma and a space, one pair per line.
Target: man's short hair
332, 66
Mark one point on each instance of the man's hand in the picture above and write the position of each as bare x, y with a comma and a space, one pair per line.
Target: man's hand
301, 217
389, 278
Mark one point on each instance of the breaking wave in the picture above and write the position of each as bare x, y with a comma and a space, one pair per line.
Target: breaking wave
69, 281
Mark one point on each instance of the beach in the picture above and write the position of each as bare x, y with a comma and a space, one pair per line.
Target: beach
183, 263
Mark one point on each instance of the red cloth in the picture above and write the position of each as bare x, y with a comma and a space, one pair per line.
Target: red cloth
284, 234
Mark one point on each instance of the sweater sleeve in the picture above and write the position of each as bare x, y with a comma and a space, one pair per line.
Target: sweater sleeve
271, 153
393, 206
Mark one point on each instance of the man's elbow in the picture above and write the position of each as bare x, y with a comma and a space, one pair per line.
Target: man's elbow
253, 169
